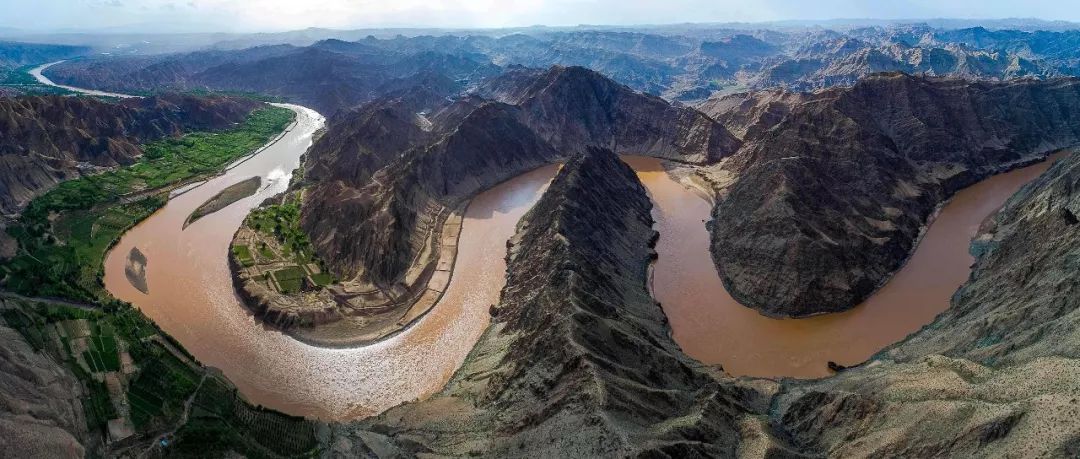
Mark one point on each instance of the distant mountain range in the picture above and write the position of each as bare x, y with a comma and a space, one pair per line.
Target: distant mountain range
688, 64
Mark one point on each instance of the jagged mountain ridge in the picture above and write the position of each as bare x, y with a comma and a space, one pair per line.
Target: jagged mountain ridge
392, 178
323, 76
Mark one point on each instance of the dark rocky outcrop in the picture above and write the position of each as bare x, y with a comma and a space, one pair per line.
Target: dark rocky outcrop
45, 140
578, 360
833, 188
574, 108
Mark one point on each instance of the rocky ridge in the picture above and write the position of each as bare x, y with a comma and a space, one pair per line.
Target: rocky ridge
578, 360
687, 63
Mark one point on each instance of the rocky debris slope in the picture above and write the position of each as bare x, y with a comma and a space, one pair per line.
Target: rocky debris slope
578, 360
995, 375
384, 177
45, 140
833, 188
40, 410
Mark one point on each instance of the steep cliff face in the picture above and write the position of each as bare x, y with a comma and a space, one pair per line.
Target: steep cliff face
830, 199
578, 360
383, 176
41, 414
997, 374
45, 140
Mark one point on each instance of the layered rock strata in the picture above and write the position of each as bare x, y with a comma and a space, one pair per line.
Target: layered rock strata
578, 360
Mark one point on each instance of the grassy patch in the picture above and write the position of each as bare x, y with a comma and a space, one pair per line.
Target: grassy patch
322, 279
223, 199
221, 420
65, 234
243, 255
290, 279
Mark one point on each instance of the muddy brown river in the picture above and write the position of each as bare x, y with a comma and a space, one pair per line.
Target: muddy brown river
712, 327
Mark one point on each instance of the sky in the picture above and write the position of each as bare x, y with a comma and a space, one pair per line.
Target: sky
280, 15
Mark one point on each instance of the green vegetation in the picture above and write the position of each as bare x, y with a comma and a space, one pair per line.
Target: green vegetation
219, 421
102, 355
290, 279
285, 258
23, 82
243, 255
322, 279
65, 234
282, 221
63, 237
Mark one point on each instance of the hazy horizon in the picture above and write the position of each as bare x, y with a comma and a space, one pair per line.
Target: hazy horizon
203, 16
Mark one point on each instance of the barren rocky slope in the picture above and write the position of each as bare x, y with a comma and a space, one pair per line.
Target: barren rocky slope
578, 360
833, 188
45, 140
41, 414
381, 178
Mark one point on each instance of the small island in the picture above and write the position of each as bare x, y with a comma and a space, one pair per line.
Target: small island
224, 198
